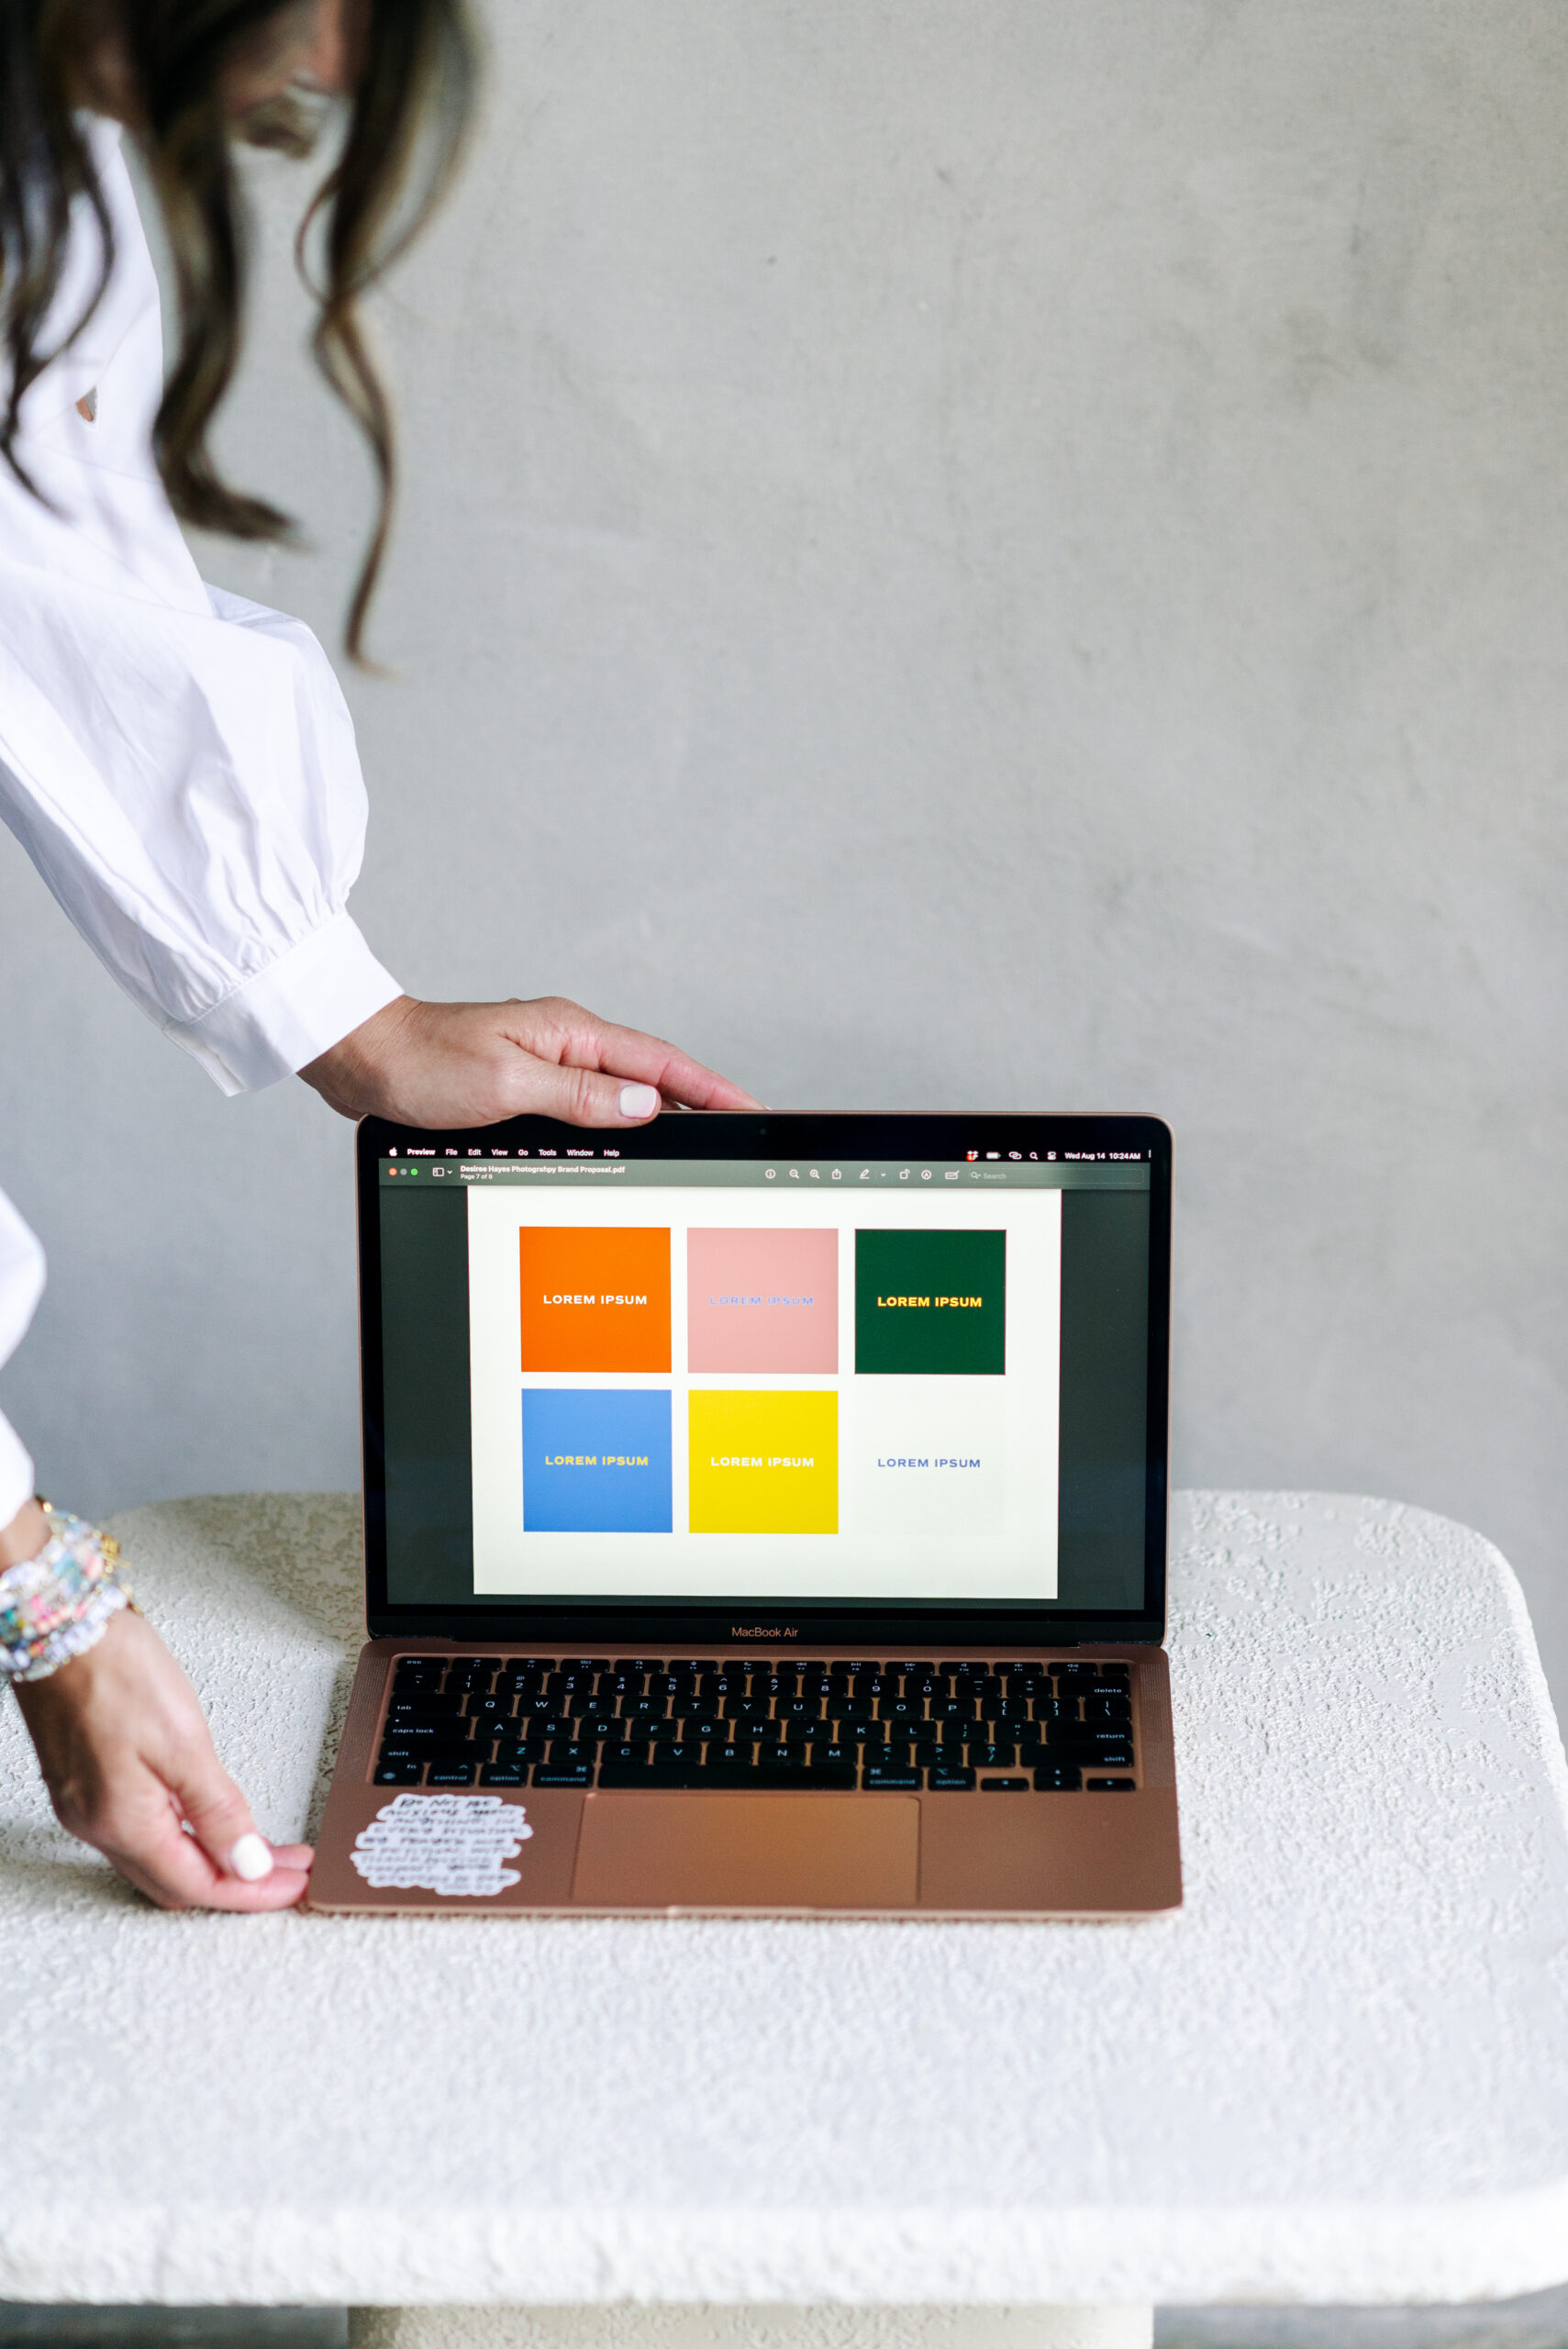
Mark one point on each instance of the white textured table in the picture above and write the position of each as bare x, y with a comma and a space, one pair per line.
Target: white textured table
1340, 2074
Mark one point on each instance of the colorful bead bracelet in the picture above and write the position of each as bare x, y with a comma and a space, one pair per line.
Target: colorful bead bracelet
61, 1603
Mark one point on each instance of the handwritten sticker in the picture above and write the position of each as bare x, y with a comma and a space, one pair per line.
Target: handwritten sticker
451, 1843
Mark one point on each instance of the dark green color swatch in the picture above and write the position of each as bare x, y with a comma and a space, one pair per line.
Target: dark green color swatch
931, 1304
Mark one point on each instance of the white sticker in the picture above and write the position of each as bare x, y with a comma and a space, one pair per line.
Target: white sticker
442, 1843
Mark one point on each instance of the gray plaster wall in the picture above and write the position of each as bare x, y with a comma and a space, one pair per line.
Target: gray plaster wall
1011, 554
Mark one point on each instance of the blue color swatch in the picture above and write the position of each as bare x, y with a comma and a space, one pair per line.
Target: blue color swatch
596, 1461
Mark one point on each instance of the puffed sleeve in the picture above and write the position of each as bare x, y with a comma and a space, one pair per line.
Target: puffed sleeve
179, 763
21, 1285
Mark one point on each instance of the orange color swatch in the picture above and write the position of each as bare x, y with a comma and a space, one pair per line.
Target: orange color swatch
595, 1298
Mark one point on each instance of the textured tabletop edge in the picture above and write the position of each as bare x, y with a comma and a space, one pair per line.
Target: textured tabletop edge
1493, 2247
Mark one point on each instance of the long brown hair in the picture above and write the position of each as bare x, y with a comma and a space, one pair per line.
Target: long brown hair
410, 104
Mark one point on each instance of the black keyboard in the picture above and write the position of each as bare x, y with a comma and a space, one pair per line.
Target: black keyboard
828, 1724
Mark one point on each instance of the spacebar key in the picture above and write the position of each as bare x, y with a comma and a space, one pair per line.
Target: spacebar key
827, 1777
645, 1774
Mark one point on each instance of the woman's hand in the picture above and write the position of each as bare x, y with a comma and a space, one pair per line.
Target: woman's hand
129, 1766
472, 1064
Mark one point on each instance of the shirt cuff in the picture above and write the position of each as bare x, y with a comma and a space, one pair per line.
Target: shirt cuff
15, 1472
310, 999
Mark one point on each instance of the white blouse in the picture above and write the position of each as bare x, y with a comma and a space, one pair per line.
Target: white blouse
179, 763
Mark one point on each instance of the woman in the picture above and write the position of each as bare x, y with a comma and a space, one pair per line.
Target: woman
180, 764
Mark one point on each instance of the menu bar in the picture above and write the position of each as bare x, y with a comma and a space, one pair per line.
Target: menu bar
1013, 1170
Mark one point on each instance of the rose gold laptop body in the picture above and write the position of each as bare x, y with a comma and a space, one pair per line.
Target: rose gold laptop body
1009, 1839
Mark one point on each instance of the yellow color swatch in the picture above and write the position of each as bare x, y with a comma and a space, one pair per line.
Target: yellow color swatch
763, 1463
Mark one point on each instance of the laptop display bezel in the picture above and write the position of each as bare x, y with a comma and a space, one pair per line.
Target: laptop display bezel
678, 1628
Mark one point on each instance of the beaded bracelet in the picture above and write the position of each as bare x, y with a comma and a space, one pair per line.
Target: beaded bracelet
61, 1603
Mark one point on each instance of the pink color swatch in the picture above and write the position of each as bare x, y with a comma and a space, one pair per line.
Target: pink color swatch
763, 1300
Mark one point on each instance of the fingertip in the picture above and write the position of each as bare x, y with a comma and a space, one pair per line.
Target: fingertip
250, 1859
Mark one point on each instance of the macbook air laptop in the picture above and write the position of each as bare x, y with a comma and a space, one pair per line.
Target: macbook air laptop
763, 1514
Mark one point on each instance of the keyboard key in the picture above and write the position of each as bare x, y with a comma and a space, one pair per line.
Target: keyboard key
1107, 1709
821, 1778
522, 1750
1072, 1736
879, 1780
945, 1780
1058, 1777
627, 1757
1110, 1785
808, 1733
1004, 1786
450, 1774
1109, 1757
570, 1750
520, 1681
398, 1774
492, 1711
426, 1741
992, 1757
553, 1773
503, 1774
694, 1664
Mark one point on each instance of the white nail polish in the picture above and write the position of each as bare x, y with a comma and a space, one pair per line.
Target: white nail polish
638, 1100
250, 1859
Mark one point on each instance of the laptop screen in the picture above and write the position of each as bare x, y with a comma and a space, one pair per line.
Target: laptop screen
731, 1363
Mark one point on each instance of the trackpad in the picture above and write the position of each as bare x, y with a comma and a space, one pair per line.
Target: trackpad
783, 1851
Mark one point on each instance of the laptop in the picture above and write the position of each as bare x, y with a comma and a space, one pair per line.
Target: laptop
764, 1514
